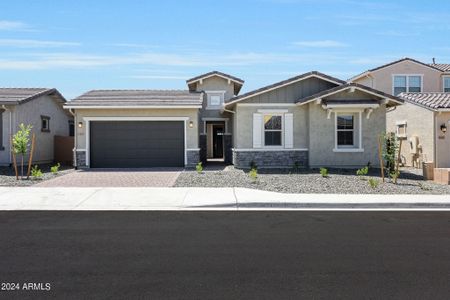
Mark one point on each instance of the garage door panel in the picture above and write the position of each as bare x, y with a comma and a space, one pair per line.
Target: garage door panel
132, 144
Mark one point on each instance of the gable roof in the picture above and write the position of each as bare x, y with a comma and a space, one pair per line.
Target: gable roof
434, 101
137, 98
237, 81
280, 84
442, 67
393, 63
17, 96
346, 86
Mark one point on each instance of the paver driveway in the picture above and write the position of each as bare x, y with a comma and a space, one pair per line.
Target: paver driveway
116, 178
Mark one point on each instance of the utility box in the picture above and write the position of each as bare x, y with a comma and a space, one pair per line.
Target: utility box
428, 170
442, 175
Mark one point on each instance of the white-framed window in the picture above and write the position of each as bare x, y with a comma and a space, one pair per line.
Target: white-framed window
406, 83
215, 99
45, 124
401, 129
348, 129
446, 84
273, 130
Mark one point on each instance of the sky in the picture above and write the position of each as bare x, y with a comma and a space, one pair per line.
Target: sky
76, 46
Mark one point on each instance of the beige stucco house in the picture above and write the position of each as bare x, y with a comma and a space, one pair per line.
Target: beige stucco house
423, 120
40, 107
309, 120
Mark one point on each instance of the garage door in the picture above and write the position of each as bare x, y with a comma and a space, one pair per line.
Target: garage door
136, 144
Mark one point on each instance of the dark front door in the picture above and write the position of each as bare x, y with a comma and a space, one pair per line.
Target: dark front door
218, 141
136, 144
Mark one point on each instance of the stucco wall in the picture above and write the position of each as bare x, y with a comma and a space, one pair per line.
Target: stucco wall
192, 114
5, 153
30, 113
244, 125
419, 122
442, 144
432, 80
322, 142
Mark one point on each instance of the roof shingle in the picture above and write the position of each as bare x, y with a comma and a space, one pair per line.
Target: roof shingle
138, 98
14, 96
442, 67
431, 100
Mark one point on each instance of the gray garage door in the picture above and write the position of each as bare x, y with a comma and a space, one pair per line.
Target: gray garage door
136, 144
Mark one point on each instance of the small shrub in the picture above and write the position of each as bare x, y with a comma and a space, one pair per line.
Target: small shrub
394, 176
36, 173
362, 172
423, 187
296, 167
55, 169
199, 167
253, 174
253, 165
373, 183
324, 172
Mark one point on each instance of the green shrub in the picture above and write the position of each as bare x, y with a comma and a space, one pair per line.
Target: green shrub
394, 176
55, 169
199, 167
423, 187
36, 173
253, 174
362, 172
324, 172
373, 183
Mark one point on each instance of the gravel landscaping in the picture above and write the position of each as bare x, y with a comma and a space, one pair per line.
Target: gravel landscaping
339, 181
8, 177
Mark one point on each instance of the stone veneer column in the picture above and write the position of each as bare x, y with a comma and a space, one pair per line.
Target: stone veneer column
202, 145
193, 157
228, 144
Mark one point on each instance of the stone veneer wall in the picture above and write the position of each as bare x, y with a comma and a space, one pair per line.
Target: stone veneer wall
202, 144
193, 157
228, 144
270, 159
81, 159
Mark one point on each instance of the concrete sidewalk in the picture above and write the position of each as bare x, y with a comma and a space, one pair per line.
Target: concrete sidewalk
33, 198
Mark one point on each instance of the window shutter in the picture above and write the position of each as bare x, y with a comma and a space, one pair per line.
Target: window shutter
257, 130
288, 131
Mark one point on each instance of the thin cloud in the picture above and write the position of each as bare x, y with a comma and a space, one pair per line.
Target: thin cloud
19, 43
13, 25
158, 77
321, 44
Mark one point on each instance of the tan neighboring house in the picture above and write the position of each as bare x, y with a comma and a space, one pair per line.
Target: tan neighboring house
308, 120
423, 120
40, 107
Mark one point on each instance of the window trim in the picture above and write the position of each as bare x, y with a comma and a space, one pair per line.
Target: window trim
48, 123
407, 82
221, 94
400, 123
443, 83
357, 140
263, 144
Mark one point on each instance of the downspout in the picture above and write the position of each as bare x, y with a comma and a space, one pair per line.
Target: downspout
10, 132
75, 133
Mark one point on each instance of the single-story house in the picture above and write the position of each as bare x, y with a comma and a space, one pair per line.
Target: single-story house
309, 120
422, 122
40, 107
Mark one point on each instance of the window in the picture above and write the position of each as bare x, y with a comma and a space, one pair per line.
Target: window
45, 124
273, 130
405, 83
71, 128
401, 129
447, 84
215, 99
345, 130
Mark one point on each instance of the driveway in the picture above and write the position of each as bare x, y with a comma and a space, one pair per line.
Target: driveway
157, 177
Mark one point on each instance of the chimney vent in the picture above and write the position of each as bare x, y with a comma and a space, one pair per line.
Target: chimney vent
434, 60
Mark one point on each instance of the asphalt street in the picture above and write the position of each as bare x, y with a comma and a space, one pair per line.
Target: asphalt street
225, 255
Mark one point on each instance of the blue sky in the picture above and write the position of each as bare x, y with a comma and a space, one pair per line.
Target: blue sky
78, 45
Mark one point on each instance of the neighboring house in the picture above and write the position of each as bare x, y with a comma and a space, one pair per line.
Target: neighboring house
423, 120
308, 120
40, 107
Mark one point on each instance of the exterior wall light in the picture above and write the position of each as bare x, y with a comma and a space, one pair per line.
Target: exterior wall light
443, 128
80, 124
191, 124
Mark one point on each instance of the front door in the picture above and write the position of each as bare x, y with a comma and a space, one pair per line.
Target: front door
218, 131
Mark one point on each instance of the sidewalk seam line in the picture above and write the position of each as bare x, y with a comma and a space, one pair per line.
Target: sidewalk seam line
88, 197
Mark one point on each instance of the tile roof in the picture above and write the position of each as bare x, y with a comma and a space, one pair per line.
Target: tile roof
138, 98
431, 100
285, 82
442, 67
14, 96
344, 87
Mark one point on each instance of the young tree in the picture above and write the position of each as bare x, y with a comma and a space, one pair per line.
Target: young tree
21, 142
